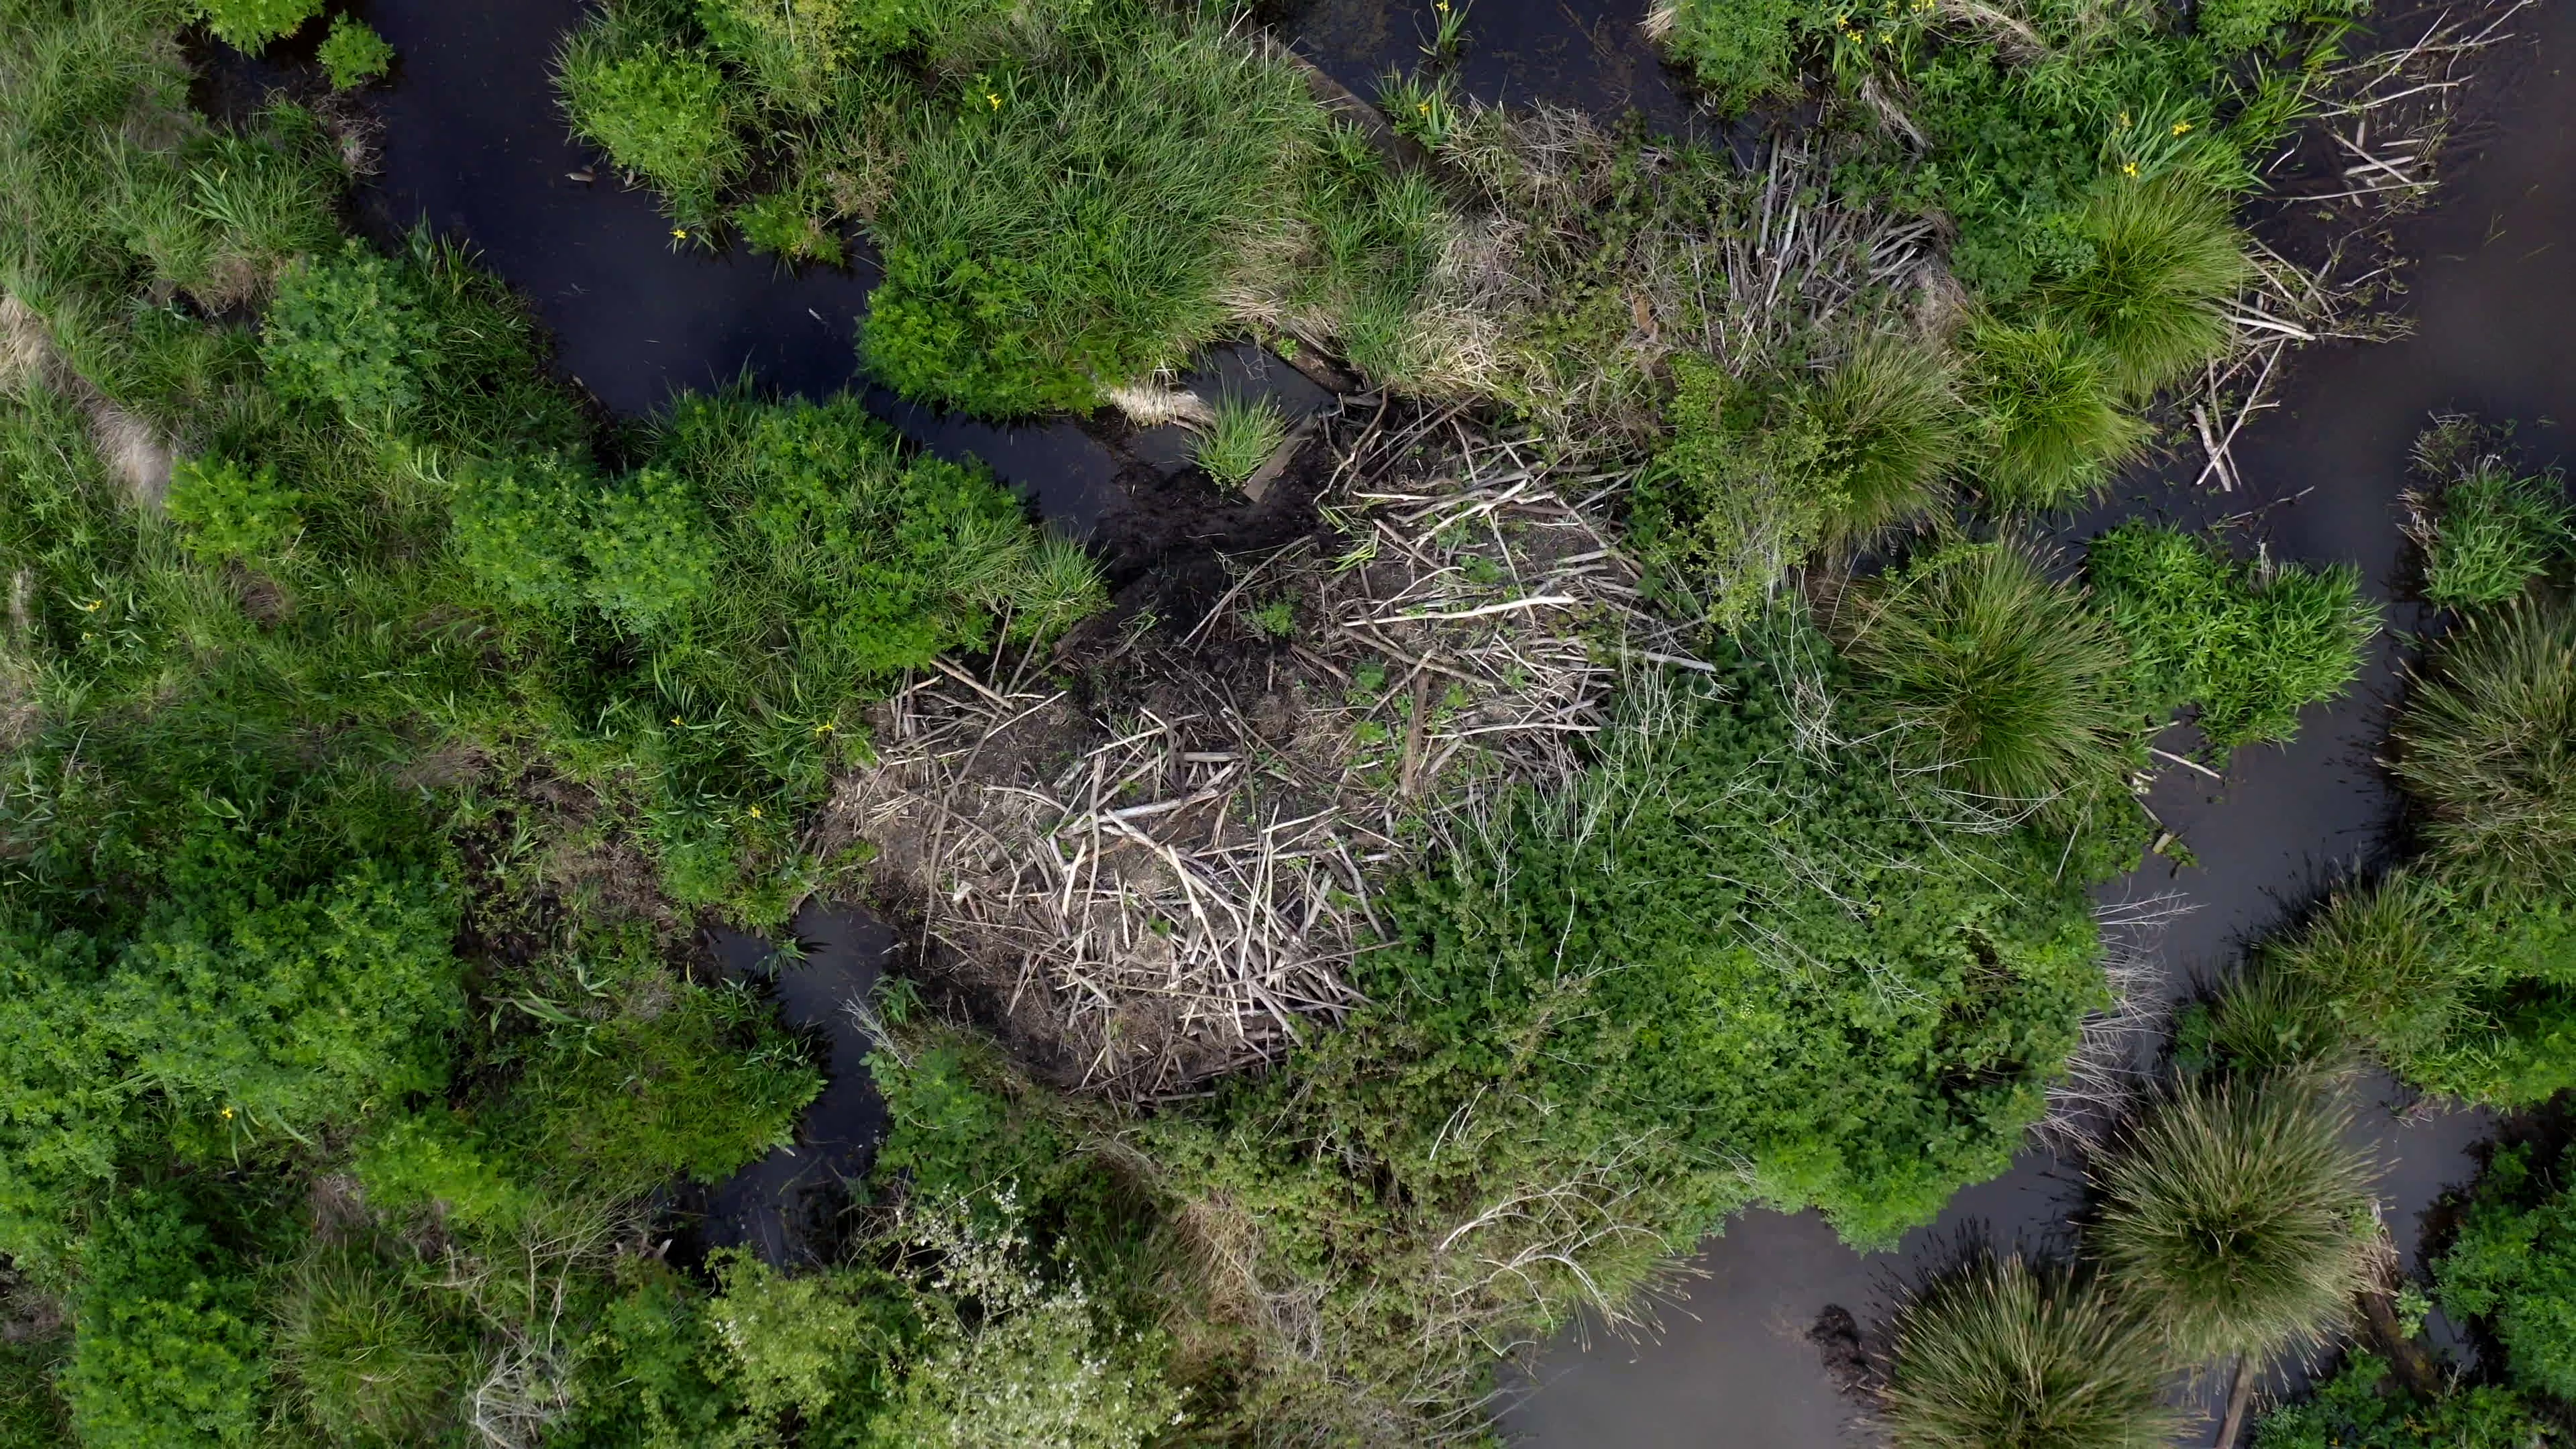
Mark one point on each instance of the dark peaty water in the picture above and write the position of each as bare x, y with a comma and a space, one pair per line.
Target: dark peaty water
788, 1206
2495, 301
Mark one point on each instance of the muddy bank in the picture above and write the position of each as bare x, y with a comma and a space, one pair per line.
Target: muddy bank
790, 1207
2495, 334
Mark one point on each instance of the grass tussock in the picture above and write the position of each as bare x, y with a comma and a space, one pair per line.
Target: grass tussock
2235, 1217
1998, 676
2048, 414
2164, 257
2002, 1353
1239, 437
2487, 745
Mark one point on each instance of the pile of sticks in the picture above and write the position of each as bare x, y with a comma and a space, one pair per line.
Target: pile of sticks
1168, 883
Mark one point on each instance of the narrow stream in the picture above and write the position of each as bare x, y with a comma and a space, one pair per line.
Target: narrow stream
2495, 335
475, 145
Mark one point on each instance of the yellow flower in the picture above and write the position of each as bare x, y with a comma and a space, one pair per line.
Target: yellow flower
675, 719
228, 1112
93, 606
2124, 121
2182, 128
681, 232
755, 812
994, 98
824, 728
2131, 169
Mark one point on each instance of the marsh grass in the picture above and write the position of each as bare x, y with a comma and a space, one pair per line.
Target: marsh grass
1239, 438
2002, 678
2487, 745
2164, 256
1892, 426
2250, 644
1062, 228
2048, 415
2002, 1353
2487, 529
2235, 1216
364, 1356
2382, 958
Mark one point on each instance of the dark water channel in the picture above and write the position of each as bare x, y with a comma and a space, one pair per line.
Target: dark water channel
2494, 299
475, 146
788, 1206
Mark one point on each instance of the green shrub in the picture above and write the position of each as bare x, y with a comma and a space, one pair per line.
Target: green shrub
643, 1375
1241, 437
2233, 27
2512, 1267
251, 24
367, 1359
793, 1345
2358, 1409
660, 111
167, 1345
517, 526
432, 1160
233, 512
2487, 743
2235, 1217
1742, 52
650, 555
696, 1090
353, 330
2046, 405
1057, 230
791, 226
2249, 647
353, 53
1998, 678
2162, 259
2003, 1354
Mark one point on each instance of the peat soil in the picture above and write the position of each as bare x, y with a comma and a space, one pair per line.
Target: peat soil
2493, 298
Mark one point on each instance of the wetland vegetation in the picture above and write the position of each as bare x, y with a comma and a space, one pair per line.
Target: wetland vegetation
1663, 769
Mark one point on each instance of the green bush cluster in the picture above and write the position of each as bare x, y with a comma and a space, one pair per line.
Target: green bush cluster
2512, 1268
171, 1346
766, 568
251, 24
353, 53
2247, 647
2358, 1409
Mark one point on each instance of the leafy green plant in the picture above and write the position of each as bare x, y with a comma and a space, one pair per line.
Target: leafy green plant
2359, 1409
2234, 1216
2162, 257
1239, 438
2513, 1267
250, 25
2249, 646
791, 226
353, 53
2487, 743
353, 330
2047, 409
651, 558
168, 1347
2000, 1353
233, 512
1997, 676
1743, 52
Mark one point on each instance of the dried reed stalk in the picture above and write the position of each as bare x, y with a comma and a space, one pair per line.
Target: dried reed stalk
1180, 877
